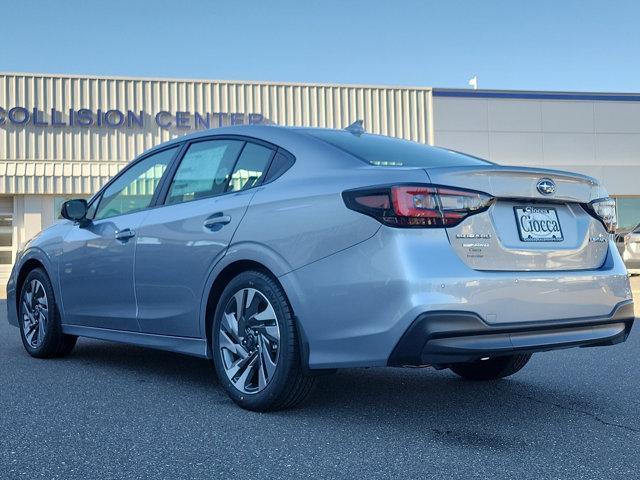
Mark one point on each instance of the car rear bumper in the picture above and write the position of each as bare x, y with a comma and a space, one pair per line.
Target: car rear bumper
441, 338
356, 305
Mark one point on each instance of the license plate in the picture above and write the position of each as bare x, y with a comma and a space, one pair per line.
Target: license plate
538, 224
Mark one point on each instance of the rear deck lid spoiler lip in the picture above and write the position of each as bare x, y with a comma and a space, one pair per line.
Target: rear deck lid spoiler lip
494, 180
492, 169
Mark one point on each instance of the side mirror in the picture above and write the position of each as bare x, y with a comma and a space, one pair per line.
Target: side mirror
75, 210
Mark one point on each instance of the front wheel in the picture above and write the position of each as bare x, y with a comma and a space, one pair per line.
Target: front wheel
255, 345
40, 330
491, 368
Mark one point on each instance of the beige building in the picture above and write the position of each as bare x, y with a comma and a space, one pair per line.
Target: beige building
597, 134
63, 136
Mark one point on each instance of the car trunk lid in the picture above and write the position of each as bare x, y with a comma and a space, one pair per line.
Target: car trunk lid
537, 221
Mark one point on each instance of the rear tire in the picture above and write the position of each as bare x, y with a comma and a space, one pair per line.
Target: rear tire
255, 344
491, 369
39, 319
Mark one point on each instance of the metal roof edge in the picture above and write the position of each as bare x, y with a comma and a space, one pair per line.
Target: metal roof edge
536, 95
213, 81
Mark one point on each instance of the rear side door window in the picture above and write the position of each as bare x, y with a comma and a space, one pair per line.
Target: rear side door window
204, 171
251, 167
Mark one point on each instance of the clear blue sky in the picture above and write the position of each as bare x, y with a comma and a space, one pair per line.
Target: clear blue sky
511, 44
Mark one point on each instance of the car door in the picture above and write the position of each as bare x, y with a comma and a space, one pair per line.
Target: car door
179, 243
96, 272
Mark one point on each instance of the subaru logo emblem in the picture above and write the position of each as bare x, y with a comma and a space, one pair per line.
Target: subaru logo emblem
546, 186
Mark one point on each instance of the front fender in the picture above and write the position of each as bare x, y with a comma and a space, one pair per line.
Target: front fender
29, 256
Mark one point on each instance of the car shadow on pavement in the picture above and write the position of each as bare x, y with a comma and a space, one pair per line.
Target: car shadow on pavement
148, 364
497, 414
509, 414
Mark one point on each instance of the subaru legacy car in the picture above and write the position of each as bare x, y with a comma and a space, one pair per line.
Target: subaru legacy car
283, 253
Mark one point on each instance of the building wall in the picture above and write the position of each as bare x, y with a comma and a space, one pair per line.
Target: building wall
47, 156
64, 136
395, 111
598, 135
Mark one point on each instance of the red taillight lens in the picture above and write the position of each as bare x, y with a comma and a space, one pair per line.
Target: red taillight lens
417, 205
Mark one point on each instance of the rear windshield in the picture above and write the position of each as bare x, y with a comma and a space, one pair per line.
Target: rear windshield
383, 151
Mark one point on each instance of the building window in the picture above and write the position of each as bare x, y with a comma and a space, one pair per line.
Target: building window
6, 232
628, 210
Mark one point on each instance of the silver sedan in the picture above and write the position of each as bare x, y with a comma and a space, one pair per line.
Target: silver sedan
281, 253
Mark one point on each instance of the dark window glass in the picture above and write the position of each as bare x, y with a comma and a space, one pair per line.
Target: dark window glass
204, 170
6, 238
281, 163
383, 151
6, 258
6, 230
134, 189
250, 168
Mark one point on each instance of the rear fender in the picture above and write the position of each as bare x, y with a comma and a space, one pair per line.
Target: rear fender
243, 251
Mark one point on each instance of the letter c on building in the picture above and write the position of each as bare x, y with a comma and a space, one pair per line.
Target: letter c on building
159, 120
2, 114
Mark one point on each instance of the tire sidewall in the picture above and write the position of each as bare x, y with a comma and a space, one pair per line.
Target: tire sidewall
52, 321
286, 355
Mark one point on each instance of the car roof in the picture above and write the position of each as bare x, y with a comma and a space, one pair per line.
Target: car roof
271, 133
291, 139
288, 137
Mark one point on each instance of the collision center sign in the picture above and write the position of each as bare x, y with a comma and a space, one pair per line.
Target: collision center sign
84, 117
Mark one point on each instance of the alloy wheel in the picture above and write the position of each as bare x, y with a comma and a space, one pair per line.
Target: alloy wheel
248, 340
35, 313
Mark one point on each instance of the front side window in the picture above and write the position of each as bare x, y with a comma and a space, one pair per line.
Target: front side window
204, 170
133, 190
251, 167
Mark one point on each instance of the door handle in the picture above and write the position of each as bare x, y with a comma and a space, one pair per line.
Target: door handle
216, 221
125, 234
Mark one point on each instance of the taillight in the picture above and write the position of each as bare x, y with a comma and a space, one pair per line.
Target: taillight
604, 209
426, 206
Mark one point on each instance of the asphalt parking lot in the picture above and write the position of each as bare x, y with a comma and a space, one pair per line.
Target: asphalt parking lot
113, 411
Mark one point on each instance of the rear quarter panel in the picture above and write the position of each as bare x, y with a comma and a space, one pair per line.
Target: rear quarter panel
301, 217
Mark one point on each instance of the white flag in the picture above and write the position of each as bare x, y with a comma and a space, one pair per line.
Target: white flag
474, 82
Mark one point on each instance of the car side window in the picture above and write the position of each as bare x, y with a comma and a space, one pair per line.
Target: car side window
251, 167
204, 170
91, 211
133, 190
281, 163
